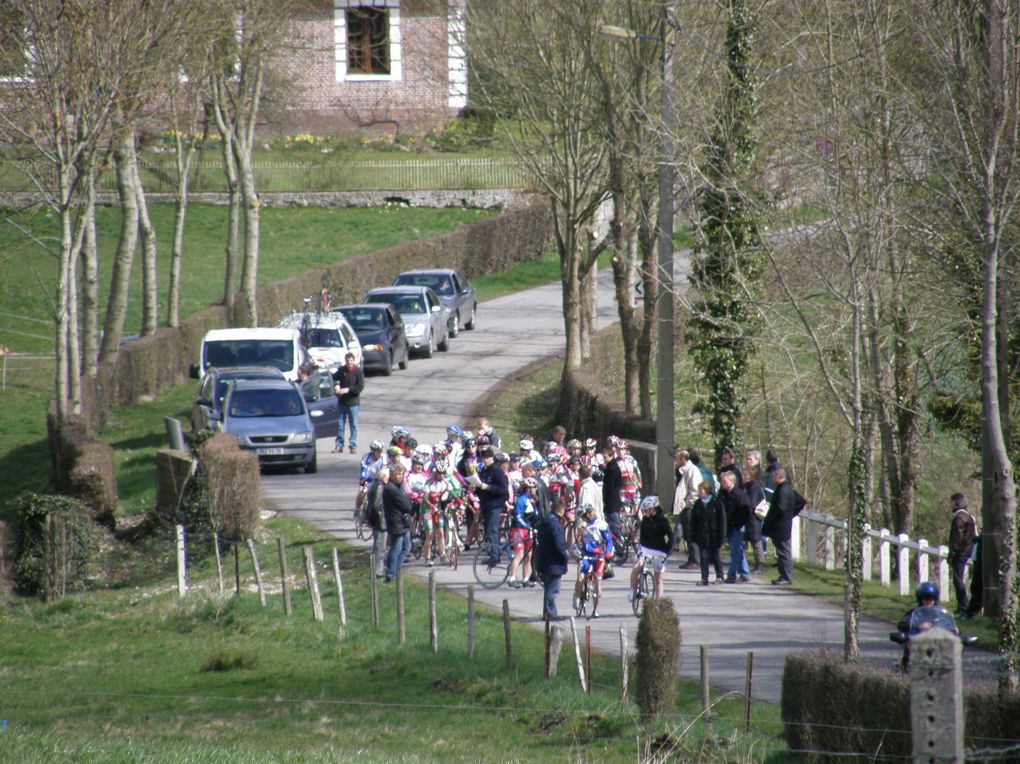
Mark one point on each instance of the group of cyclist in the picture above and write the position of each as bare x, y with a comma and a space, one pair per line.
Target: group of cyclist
464, 489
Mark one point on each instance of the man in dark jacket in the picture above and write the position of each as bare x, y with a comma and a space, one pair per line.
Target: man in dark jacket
397, 511
374, 515
612, 487
708, 529
493, 493
350, 381
551, 560
962, 536
778, 524
738, 515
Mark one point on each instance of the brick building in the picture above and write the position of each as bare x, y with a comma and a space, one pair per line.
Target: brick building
382, 67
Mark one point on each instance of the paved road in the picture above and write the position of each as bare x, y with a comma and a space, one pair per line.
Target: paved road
512, 332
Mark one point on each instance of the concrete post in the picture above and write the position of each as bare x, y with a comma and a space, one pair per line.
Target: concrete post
829, 547
922, 561
936, 698
812, 542
795, 533
943, 564
884, 563
867, 555
903, 562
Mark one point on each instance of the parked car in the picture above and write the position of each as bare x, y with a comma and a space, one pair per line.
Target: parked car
271, 418
262, 346
322, 403
380, 331
455, 292
327, 338
425, 318
207, 410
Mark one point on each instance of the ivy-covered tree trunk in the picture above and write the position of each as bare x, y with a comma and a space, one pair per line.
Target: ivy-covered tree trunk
728, 262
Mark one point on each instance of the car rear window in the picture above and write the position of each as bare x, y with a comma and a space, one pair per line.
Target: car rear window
227, 353
404, 303
324, 338
438, 284
247, 404
364, 320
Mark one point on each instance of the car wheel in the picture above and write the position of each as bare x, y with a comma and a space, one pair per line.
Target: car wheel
429, 349
472, 322
407, 358
455, 325
313, 466
444, 344
387, 367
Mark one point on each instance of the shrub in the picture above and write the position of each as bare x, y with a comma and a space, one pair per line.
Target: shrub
93, 481
658, 654
234, 487
44, 565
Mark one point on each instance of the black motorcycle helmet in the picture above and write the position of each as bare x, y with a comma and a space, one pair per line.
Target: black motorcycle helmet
927, 590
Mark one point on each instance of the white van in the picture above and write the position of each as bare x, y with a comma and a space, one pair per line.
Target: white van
227, 348
327, 338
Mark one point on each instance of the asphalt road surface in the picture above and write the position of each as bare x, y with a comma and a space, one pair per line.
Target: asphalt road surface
432, 393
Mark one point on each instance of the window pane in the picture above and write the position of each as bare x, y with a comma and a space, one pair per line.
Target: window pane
368, 41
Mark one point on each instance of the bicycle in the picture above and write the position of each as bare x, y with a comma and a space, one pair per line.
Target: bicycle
587, 588
362, 529
493, 576
645, 587
453, 539
627, 539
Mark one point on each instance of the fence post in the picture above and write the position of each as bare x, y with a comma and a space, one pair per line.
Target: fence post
587, 658
829, 547
373, 585
182, 563
219, 561
624, 664
258, 571
471, 622
706, 697
922, 560
943, 563
748, 668
237, 568
936, 697
433, 623
401, 626
867, 553
339, 590
795, 532
884, 563
284, 583
577, 652
903, 563
506, 634
313, 583
812, 542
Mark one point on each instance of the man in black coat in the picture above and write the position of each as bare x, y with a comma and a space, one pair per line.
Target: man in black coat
551, 560
493, 492
397, 511
349, 382
708, 531
738, 516
778, 524
612, 487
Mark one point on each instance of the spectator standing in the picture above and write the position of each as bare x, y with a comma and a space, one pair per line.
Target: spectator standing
551, 561
771, 465
349, 381
738, 514
397, 512
778, 524
706, 473
683, 500
493, 494
377, 519
612, 486
589, 491
485, 429
962, 536
708, 529
752, 531
727, 464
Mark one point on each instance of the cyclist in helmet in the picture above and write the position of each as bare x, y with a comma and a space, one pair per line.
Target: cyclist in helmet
371, 463
399, 436
521, 536
435, 497
655, 541
597, 544
926, 595
454, 444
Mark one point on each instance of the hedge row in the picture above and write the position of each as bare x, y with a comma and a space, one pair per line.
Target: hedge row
154, 364
83, 467
832, 706
235, 491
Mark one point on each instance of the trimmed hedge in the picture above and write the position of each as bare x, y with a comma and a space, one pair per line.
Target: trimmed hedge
658, 656
235, 490
832, 706
83, 467
151, 365
173, 468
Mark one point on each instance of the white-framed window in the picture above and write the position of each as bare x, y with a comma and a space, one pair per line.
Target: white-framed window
367, 40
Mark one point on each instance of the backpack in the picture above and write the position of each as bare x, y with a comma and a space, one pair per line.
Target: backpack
799, 502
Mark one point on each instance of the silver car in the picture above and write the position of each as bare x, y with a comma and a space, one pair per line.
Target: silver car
426, 319
271, 418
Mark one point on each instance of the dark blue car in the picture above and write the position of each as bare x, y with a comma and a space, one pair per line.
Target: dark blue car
380, 330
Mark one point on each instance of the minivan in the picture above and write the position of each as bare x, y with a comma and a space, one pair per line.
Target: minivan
227, 348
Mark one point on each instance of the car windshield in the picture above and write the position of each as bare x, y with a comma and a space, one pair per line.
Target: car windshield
404, 303
324, 338
441, 285
227, 353
245, 404
364, 320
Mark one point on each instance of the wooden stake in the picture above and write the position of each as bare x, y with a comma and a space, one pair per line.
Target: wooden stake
401, 631
706, 701
747, 690
577, 651
547, 646
237, 569
506, 634
471, 622
219, 561
433, 623
374, 586
284, 576
313, 583
339, 590
624, 664
182, 563
258, 571
587, 659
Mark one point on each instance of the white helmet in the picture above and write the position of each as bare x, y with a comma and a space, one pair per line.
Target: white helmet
648, 503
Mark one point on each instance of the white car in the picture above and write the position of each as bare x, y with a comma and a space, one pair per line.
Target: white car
327, 338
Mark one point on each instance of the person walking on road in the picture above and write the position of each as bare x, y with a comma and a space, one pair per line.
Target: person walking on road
350, 381
397, 511
962, 537
708, 529
778, 525
551, 560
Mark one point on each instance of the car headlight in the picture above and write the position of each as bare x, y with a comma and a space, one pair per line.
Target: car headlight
416, 330
303, 437
373, 348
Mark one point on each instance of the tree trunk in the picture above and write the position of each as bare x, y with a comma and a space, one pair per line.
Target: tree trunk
233, 225
120, 278
646, 243
184, 157
250, 259
73, 337
90, 285
150, 293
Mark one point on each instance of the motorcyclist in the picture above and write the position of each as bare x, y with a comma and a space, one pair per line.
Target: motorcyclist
927, 595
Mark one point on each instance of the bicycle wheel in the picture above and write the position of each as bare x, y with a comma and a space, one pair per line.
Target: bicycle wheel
645, 590
490, 577
361, 529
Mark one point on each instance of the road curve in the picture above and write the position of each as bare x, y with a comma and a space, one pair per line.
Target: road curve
512, 332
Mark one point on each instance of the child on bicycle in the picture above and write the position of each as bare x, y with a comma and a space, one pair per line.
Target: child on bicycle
598, 547
521, 540
435, 497
655, 540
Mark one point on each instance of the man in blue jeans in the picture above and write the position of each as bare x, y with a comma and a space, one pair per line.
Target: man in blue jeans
397, 511
493, 493
350, 381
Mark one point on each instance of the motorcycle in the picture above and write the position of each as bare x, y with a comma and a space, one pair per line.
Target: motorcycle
923, 619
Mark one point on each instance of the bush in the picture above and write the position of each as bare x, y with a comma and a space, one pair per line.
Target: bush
658, 654
46, 566
83, 466
234, 487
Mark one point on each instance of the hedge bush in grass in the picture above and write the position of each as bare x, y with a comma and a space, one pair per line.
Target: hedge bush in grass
658, 655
